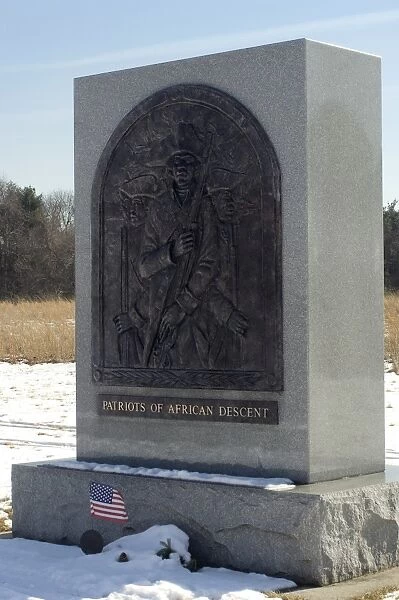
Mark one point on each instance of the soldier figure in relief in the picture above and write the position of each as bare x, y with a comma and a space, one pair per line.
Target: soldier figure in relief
231, 324
179, 259
131, 321
183, 314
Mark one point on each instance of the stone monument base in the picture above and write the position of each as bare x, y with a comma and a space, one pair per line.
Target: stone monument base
314, 534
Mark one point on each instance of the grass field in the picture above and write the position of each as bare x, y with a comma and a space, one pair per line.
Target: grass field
37, 331
391, 303
44, 331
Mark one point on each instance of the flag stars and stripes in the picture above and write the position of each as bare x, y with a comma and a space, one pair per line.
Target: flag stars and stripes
107, 503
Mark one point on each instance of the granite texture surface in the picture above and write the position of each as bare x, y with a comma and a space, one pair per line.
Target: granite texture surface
345, 257
317, 534
320, 107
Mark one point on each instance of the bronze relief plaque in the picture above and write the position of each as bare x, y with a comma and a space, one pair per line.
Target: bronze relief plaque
187, 247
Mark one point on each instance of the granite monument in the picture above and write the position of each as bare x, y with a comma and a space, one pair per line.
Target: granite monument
229, 308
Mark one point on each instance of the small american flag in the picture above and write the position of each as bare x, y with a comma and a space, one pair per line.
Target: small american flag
107, 503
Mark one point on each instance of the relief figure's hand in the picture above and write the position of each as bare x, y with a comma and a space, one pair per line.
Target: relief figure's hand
123, 322
183, 244
238, 323
172, 318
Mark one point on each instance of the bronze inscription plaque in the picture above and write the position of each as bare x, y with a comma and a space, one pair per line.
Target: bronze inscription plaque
186, 247
231, 411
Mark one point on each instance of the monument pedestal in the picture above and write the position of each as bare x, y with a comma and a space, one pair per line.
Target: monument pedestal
317, 534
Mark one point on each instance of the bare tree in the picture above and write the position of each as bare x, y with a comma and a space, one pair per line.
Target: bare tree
60, 228
36, 242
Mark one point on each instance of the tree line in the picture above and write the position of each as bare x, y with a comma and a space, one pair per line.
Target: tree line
37, 250
391, 246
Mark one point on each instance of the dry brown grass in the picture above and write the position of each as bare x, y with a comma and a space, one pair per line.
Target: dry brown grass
391, 304
37, 331
6, 517
379, 594
44, 331
281, 596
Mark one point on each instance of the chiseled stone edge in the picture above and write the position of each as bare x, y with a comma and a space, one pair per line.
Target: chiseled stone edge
359, 531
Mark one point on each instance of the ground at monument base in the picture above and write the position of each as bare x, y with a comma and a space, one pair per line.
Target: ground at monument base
374, 586
31, 569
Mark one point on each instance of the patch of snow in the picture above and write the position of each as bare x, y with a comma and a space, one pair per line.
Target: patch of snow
37, 415
271, 483
42, 571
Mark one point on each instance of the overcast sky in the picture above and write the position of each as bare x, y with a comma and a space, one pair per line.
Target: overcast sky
44, 44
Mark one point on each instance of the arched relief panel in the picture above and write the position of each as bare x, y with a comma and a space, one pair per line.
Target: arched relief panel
187, 247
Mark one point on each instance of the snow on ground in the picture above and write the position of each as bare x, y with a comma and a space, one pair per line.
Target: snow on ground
37, 415
33, 570
391, 417
37, 422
